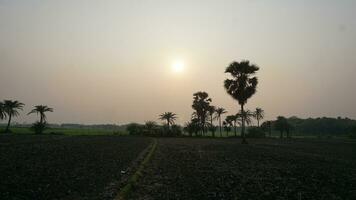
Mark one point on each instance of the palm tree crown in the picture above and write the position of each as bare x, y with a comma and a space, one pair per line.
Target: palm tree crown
218, 113
247, 115
259, 115
41, 110
11, 109
242, 86
169, 117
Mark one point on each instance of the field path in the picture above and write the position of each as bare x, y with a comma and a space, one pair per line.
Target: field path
55, 167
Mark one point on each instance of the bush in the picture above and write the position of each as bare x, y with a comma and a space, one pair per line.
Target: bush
135, 129
352, 132
39, 127
176, 130
256, 133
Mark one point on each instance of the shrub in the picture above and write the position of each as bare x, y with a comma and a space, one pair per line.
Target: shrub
151, 129
352, 132
255, 132
39, 127
135, 129
176, 130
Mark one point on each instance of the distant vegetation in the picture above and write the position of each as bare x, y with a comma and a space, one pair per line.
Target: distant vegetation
205, 121
206, 118
39, 126
323, 126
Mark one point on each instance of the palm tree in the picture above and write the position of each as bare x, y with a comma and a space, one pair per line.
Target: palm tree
227, 127
259, 115
41, 110
11, 109
169, 117
219, 112
211, 112
151, 127
192, 127
233, 119
247, 115
201, 105
267, 127
242, 86
2, 111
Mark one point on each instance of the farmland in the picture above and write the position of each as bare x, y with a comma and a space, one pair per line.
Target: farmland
65, 167
264, 169
91, 167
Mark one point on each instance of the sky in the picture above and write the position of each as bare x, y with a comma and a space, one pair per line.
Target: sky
110, 61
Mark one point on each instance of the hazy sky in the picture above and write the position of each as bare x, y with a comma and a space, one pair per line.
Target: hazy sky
109, 61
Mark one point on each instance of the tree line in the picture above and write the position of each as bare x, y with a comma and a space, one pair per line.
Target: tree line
10, 109
241, 86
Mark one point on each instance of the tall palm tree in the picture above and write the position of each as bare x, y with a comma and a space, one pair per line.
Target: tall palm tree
259, 115
169, 117
219, 112
242, 86
11, 109
201, 105
211, 112
41, 110
2, 111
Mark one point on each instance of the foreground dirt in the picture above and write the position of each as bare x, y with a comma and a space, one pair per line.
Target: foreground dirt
264, 169
62, 167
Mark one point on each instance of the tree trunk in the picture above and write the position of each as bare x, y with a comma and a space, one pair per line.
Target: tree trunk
220, 126
41, 119
212, 126
8, 125
281, 136
235, 129
258, 123
243, 125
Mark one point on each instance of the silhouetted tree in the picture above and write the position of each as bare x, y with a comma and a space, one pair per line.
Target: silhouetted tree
176, 130
227, 127
211, 113
247, 115
281, 125
201, 105
219, 112
242, 86
41, 110
169, 117
192, 127
135, 129
267, 127
233, 119
2, 111
259, 115
11, 109
150, 128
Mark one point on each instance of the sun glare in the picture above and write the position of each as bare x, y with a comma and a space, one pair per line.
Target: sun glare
178, 66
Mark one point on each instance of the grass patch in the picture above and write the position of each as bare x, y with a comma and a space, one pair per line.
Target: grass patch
126, 190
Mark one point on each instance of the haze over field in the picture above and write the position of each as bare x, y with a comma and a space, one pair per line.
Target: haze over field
122, 61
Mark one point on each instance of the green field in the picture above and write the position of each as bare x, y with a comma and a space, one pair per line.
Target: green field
69, 131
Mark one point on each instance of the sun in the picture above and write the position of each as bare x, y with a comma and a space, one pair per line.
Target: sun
178, 66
